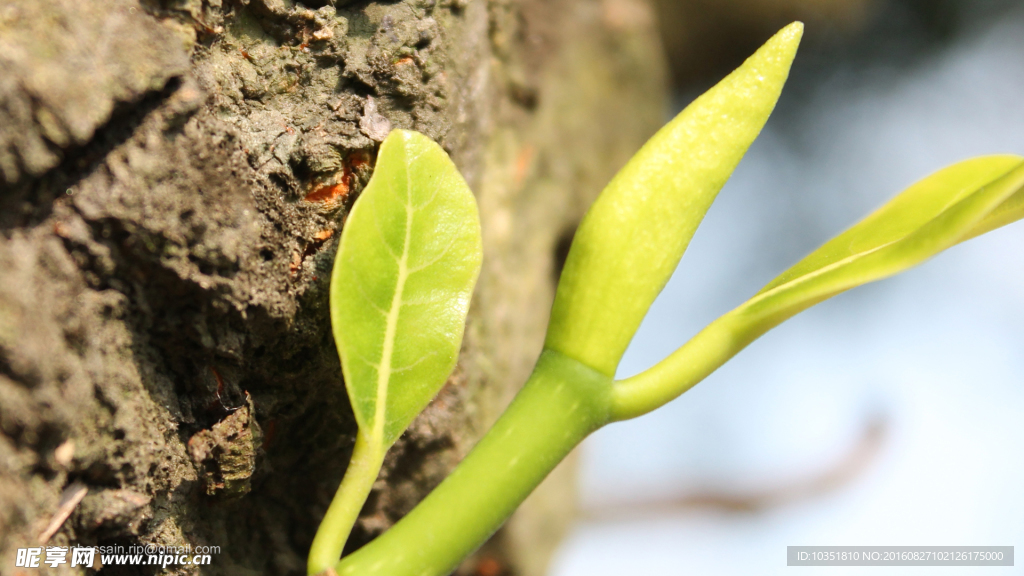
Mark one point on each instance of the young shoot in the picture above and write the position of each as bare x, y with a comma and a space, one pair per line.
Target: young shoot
626, 248
403, 276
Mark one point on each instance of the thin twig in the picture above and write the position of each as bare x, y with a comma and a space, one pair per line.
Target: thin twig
69, 499
832, 478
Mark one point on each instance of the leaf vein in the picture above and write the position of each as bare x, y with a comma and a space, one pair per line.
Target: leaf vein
440, 180
419, 361
434, 260
380, 233
357, 282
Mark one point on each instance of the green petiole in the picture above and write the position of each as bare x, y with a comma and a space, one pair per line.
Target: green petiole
561, 403
334, 530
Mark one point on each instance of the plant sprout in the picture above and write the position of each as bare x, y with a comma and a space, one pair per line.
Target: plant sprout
406, 266
624, 252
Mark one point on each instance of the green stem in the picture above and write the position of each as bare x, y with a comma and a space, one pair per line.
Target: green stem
682, 370
367, 458
561, 403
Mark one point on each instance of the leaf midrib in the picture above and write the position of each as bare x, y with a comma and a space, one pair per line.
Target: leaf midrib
384, 369
808, 276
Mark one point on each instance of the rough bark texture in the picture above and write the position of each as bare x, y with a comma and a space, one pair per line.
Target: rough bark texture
173, 178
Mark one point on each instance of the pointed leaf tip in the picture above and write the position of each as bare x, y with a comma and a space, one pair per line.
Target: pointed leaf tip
791, 34
634, 234
787, 40
950, 206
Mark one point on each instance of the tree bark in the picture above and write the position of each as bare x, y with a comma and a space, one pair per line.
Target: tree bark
174, 176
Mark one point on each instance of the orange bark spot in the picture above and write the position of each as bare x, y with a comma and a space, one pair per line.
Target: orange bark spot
329, 192
338, 191
488, 567
324, 234
406, 60
523, 161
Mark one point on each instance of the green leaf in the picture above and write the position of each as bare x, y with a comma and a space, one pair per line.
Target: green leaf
408, 260
409, 257
634, 234
929, 217
948, 207
902, 216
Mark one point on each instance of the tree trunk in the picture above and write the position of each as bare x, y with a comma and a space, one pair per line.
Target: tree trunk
174, 175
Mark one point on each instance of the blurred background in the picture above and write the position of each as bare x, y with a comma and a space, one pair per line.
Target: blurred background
890, 415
